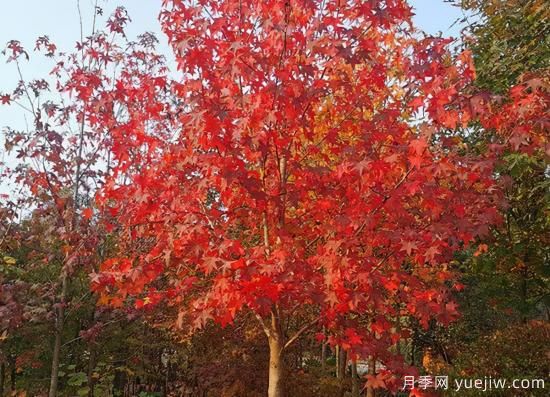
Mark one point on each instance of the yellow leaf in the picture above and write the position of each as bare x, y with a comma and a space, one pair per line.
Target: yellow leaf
8, 260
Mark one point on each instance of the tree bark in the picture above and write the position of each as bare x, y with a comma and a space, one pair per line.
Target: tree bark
355, 390
323, 355
524, 288
337, 361
276, 370
13, 372
91, 367
372, 371
120, 380
2, 377
59, 323
341, 370
342, 361
277, 345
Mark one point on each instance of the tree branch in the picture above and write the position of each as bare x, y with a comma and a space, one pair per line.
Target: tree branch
300, 332
262, 322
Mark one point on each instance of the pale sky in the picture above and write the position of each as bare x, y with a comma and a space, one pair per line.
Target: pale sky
26, 20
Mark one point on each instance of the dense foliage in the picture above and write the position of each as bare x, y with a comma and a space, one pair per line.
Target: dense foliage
317, 200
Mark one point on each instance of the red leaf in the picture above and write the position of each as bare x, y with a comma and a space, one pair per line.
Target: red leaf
87, 213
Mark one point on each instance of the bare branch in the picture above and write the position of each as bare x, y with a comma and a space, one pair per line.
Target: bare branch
300, 332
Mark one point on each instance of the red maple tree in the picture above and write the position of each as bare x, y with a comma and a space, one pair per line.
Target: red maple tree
60, 158
304, 160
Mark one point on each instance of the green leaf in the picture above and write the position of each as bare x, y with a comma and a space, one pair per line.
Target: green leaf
77, 379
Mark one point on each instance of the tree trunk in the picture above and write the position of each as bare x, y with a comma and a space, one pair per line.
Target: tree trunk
337, 361
355, 390
342, 363
13, 374
2, 377
91, 367
59, 323
323, 355
120, 380
524, 288
413, 350
341, 370
276, 370
372, 371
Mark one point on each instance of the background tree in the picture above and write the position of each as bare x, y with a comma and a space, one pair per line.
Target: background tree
508, 39
62, 159
508, 273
